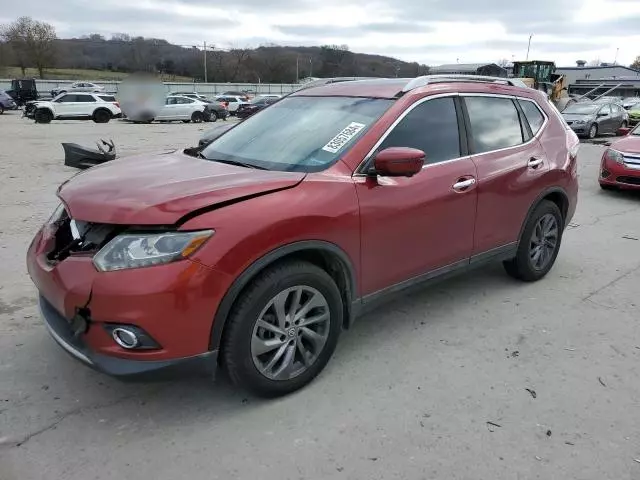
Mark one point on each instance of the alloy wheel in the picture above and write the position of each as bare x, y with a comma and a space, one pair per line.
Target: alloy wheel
290, 333
544, 241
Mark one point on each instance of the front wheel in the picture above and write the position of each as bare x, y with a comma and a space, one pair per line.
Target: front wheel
43, 116
213, 116
283, 329
593, 131
539, 244
197, 117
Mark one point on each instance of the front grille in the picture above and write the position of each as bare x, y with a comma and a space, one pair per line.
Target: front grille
629, 180
631, 160
73, 237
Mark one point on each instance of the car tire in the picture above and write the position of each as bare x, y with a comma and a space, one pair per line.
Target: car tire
593, 132
101, 116
43, 115
1, 109
197, 117
282, 368
213, 116
539, 244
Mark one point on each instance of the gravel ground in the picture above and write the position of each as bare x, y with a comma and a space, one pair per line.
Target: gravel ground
479, 377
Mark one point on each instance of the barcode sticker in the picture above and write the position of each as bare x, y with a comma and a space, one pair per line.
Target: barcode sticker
341, 139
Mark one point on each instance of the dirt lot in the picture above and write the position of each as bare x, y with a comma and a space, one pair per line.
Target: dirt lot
409, 394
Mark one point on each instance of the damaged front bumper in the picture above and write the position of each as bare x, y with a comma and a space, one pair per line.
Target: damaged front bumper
173, 304
62, 332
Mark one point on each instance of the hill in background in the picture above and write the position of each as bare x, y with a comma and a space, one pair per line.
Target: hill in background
114, 58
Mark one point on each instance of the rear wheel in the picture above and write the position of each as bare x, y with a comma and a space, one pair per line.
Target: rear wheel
593, 131
283, 330
539, 244
43, 115
197, 117
101, 116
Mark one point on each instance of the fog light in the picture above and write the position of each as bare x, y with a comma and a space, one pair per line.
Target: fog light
125, 338
605, 173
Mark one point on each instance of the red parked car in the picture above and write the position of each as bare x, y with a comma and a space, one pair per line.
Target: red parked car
620, 166
258, 254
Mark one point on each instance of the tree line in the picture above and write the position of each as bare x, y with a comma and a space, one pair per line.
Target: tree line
28, 43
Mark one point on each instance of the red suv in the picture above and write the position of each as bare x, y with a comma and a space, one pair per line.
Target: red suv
261, 251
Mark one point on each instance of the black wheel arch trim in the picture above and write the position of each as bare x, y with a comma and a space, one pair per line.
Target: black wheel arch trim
232, 294
545, 193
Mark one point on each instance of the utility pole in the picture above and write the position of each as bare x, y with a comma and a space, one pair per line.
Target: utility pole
297, 68
205, 62
310, 66
615, 61
529, 47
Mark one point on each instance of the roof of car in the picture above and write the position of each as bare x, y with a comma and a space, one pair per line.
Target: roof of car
396, 87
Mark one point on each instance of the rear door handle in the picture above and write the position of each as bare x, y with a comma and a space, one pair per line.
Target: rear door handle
535, 162
463, 185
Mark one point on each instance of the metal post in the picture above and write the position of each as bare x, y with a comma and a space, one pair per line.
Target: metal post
205, 62
529, 47
310, 67
615, 61
297, 69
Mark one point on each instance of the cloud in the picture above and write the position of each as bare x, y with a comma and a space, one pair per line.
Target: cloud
427, 31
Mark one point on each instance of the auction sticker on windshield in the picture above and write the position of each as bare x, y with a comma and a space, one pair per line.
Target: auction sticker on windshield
341, 139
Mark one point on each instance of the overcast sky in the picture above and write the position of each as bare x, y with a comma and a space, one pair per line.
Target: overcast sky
426, 31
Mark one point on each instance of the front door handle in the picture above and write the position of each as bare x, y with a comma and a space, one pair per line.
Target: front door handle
463, 185
535, 162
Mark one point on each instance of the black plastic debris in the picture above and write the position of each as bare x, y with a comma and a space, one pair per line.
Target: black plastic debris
81, 157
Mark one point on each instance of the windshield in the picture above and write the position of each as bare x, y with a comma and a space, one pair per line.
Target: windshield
582, 109
305, 134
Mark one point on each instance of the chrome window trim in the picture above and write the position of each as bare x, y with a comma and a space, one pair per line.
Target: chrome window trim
383, 137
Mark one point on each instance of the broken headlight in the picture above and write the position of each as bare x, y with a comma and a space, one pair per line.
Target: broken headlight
131, 250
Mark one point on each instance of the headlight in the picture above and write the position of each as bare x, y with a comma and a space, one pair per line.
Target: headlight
614, 156
57, 215
579, 122
132, 250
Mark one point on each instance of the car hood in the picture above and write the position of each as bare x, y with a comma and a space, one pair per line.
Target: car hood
161, 189
577, 116
634, 113
629, 144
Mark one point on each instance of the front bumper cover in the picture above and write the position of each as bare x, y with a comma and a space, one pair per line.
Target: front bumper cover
60, 329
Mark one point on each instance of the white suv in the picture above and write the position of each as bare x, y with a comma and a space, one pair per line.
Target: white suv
77, 106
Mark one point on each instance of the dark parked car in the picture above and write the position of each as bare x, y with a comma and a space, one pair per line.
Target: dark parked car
261, 250
248, 109
6, 102
590, 119
23, 90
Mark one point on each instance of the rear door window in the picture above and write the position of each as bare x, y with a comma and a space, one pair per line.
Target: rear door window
85, 98
495, 123
431, 127
533, 115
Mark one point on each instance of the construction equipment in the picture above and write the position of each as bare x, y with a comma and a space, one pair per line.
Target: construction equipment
542, 75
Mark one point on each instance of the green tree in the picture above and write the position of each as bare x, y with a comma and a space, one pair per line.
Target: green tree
32, 43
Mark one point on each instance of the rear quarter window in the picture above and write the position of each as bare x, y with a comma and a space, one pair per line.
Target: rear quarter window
107, 98
533, 115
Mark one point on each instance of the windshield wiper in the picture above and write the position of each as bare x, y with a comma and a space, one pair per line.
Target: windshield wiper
236, 162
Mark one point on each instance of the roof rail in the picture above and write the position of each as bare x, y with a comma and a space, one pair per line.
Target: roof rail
444, 78
324, 81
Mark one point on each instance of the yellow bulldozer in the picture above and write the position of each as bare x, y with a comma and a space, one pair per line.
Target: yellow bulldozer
542, 75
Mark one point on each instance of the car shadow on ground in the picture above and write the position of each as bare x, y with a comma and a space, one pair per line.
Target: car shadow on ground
77, 390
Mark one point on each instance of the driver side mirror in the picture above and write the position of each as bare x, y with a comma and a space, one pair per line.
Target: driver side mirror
398, 162
603, 114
